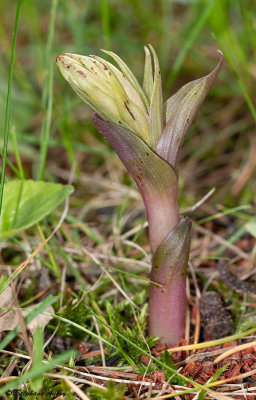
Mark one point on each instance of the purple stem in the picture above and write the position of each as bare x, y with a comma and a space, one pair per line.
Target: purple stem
167, 303
163, 217
169, 236
167, 308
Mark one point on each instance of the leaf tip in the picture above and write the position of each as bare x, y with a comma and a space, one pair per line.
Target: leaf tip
221, 57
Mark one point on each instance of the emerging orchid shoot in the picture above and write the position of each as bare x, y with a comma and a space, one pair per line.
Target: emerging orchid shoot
147, 134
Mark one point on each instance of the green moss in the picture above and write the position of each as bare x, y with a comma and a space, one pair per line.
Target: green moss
113, 391
76, 311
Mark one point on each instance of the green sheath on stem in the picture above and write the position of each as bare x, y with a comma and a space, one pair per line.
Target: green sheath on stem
167, 304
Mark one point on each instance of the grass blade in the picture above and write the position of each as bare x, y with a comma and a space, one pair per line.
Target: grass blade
36, 372
239, 80
106, 23
128, 359
193, 34
47, 99
38, 350
8, 103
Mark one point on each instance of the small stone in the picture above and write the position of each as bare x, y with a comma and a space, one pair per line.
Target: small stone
144, 359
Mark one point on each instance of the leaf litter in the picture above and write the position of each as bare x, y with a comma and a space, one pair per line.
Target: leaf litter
237, 368
9, 319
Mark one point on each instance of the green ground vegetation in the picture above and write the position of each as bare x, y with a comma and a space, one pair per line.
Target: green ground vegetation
94, 271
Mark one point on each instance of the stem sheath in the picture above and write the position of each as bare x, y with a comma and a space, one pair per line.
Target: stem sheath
167, 304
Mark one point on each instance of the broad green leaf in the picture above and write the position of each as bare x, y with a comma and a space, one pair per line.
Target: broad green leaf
26, 202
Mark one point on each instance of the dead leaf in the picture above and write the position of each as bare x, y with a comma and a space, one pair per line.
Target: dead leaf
9, 318
40, 320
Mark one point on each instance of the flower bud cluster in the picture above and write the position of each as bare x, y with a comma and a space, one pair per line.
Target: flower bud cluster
115, 94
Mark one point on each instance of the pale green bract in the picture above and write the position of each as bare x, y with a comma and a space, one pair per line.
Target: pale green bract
115, 94
117, 97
